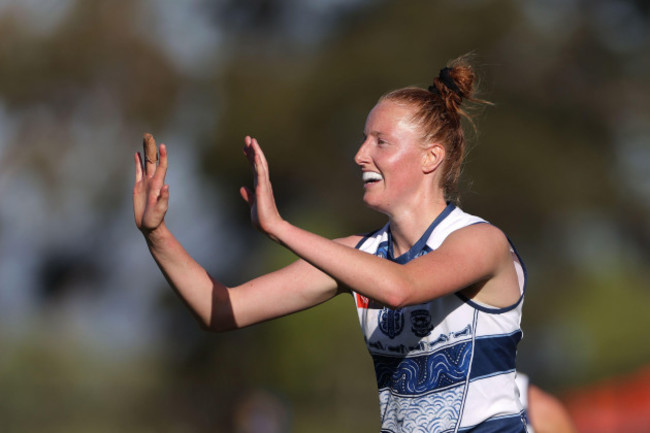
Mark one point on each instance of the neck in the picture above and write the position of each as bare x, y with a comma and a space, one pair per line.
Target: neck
407, 227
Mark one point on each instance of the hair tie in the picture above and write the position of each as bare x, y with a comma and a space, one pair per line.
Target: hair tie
445, 78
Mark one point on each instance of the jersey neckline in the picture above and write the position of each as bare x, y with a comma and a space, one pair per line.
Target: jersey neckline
417, 248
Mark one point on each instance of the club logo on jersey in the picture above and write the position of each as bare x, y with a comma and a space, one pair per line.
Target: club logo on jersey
421, 323
391, 322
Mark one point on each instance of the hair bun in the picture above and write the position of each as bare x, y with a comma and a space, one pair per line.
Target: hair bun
446, 79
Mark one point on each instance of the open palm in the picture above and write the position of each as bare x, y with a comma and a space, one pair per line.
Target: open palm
150, 194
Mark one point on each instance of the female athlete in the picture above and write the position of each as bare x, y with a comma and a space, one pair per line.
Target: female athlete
438, 291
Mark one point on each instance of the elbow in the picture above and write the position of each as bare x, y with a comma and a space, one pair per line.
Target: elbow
401, 291
208, 327
397, 297
395, 302
215, 326
206, 324
395, 290
220, 317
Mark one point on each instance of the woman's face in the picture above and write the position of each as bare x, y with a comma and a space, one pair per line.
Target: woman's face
391, 158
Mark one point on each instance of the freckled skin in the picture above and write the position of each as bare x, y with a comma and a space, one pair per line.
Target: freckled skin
393, 148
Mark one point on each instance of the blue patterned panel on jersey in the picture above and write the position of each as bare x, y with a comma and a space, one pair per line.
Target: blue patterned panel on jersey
426, 373
495, 354
413, 415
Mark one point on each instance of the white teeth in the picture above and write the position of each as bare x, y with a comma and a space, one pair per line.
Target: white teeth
369, 176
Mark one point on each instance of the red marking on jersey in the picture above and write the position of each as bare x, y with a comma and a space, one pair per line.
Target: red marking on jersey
362, 301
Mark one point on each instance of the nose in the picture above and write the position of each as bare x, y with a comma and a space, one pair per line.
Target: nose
361, 157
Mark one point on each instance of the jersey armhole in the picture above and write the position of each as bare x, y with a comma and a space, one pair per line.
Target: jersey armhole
522, 278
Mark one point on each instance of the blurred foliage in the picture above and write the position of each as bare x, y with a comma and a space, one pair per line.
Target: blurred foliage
95, 47
545, 166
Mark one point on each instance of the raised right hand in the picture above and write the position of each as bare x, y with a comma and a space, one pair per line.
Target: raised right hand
150, 193
264, 212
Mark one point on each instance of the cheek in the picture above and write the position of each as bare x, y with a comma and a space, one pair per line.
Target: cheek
407, 169
406, 179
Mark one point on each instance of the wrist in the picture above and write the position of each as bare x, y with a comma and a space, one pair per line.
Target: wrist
157, 235
279, 231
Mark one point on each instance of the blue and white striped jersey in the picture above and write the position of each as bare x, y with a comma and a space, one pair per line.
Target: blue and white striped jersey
447, 365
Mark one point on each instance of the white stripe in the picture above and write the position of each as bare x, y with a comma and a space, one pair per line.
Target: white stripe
499, 324
491, 395
467, 383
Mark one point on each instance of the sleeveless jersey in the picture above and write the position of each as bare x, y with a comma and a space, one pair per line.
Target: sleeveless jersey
447, 365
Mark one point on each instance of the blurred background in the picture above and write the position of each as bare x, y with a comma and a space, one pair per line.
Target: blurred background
91, 337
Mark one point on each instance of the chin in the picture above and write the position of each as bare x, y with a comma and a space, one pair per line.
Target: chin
374, 205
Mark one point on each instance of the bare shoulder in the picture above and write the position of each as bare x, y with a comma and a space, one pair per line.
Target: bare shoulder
482, 236
482, 246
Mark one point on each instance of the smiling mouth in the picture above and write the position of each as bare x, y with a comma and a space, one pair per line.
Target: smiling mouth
370, 177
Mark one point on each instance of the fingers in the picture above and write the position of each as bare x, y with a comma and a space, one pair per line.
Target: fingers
248, 195
255, 156
155, 160
150, 154
138, 167
260, 166
248, 151
161, 170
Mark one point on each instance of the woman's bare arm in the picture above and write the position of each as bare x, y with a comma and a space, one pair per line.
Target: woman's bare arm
217, 307
474, 256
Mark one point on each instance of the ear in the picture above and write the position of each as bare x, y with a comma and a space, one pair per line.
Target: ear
433, 157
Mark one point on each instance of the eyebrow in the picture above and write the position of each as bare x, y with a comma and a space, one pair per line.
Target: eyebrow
376, 134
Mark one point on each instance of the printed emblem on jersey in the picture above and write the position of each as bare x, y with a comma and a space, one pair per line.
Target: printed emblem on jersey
391, 322
382, 250
463, 332
444, 338
362, 301
366, 303
421, 323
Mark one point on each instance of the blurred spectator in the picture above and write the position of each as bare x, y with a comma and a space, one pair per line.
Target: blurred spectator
261, 412
546, 413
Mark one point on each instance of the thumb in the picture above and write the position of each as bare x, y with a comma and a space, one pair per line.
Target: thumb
163, 199
247, 195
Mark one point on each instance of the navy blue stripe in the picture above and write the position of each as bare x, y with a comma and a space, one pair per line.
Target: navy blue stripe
489, 310
493, 355
513, 424
365, 238
413, 375
421, 243
423, 374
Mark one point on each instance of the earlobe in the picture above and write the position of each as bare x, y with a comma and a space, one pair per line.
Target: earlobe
433, 157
